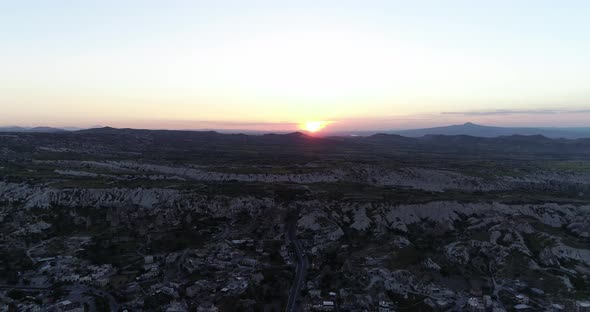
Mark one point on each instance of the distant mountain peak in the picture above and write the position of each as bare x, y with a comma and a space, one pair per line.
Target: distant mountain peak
105, 129
472, 129
297, 134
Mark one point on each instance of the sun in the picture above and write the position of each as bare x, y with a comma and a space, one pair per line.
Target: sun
314, 126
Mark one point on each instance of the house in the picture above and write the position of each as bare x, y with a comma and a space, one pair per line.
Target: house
385, 306
327, 306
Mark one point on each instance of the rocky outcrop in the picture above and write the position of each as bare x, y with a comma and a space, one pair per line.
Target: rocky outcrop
145, 198
435, 180
566, 252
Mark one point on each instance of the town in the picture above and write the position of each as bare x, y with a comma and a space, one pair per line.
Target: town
172, 228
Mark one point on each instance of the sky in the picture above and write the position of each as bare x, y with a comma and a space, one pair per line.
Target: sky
274, 65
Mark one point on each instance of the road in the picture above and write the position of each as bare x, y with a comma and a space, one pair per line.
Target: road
113, 305
76, 292
30, 249
294, 303
24, 287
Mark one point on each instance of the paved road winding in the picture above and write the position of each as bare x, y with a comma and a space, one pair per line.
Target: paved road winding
294, 303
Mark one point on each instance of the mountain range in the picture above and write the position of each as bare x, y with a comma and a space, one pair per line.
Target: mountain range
34, 129
476, 130
468, 128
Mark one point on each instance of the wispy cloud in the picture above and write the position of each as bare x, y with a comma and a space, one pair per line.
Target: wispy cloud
206, 124
247, 124
518, 112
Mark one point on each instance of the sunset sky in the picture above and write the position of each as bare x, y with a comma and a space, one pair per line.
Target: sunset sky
273, 65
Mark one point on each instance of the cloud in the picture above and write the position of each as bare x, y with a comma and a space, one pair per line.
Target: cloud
233, 124
204, 124
517, 112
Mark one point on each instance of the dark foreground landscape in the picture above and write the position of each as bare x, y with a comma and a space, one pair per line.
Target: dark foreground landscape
138, 220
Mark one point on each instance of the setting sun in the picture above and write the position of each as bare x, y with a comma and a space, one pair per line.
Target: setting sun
314, 126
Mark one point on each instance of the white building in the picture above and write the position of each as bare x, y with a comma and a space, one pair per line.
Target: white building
70, 278
475, 305
68, 306
582, 306
385, 306
524, 299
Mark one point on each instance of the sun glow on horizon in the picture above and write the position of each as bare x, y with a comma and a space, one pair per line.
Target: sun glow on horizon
276, 66
314, 126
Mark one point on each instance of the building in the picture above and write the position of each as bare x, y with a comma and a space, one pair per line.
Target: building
487, 301
523, 299
582, 306
475, 305
207, 307
522, 307
176, 307
327, 306
150, 266
557, 307
70, 278
101, 282
68, 306
385, 306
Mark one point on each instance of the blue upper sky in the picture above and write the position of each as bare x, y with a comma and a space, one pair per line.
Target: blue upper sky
273, 64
